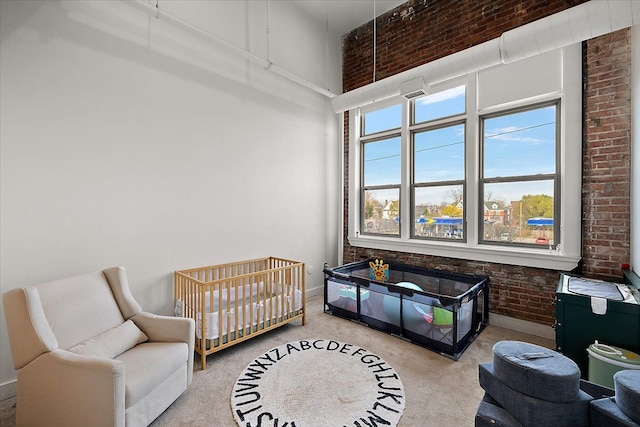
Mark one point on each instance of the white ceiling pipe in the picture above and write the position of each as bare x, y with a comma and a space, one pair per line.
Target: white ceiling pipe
266, 64
296, 79
477, 57
574, 25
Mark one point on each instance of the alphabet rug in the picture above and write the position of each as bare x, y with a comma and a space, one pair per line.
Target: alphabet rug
318, 383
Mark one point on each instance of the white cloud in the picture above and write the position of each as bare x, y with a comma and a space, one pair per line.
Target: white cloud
507, 134
442, 96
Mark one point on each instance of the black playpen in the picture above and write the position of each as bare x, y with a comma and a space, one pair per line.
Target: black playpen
437, 309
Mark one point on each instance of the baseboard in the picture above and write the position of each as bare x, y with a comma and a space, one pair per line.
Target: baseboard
9, 389
524, 326
314, 292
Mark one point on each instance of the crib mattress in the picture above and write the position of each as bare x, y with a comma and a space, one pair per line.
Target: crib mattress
260, 312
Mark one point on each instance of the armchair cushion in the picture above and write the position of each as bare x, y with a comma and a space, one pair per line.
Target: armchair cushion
113, 342
78, 308
146, 371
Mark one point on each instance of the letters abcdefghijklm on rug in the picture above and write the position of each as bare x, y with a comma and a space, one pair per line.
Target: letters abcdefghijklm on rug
318, 383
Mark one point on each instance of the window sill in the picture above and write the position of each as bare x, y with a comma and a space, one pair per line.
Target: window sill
527, 257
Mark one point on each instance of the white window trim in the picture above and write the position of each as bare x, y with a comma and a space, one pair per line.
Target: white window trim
570, 176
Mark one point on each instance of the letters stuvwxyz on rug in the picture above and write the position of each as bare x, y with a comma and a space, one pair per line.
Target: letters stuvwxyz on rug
384, 410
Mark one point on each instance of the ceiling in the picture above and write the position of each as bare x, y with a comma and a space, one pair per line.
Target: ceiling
346, 15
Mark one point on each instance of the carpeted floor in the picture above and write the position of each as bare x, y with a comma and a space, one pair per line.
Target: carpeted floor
439, 391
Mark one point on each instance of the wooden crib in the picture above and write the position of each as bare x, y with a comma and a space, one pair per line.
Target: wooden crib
233, 302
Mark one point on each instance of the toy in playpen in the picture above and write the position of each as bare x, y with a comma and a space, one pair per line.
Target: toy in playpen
379, 271
419, 316
347, 296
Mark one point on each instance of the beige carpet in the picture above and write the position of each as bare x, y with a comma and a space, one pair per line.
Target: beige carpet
439, 391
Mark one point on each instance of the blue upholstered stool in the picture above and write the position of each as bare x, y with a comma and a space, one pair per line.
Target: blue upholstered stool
627, 386
532, 386
536, 371
605, 413
531, 411
623, 410
491, 414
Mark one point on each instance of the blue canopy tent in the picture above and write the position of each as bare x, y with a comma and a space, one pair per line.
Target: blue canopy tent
540, 221
438, 221
542, 232
439, 227
448, 221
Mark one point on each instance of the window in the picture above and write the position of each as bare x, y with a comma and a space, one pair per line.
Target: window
438, 175
381, 171
520, 176
482, 168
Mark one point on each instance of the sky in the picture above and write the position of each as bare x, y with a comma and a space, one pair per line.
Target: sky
520, 143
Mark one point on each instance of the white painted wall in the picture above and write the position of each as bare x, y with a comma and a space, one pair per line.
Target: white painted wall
128, 141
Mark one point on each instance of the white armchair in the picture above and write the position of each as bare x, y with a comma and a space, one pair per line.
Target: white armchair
87, 355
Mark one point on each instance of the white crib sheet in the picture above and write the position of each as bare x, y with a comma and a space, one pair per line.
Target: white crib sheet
257, 290
260, 314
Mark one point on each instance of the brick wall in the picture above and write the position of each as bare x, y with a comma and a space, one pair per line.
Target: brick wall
421, 31
607, 155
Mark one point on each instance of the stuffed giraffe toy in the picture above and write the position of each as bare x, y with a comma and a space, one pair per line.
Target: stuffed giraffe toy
379, 270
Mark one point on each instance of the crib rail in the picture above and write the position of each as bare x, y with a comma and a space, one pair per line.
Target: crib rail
233, 302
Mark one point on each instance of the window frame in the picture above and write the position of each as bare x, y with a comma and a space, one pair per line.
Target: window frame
375, 137
364, 189
415, 129
570, 181
556, 176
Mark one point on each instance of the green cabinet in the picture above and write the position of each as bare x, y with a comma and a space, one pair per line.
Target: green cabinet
580, 320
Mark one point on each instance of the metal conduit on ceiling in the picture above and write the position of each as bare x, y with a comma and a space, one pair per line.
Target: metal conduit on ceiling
155, 11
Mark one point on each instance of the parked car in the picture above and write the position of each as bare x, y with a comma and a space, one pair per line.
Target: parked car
542, 241
505, 237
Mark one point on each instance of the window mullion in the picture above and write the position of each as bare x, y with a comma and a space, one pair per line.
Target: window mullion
406, 199
472, 163
520, 178
355, 171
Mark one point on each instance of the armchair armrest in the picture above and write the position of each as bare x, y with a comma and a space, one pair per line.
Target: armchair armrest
59, 388
29, 332
165, 328
169, 329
